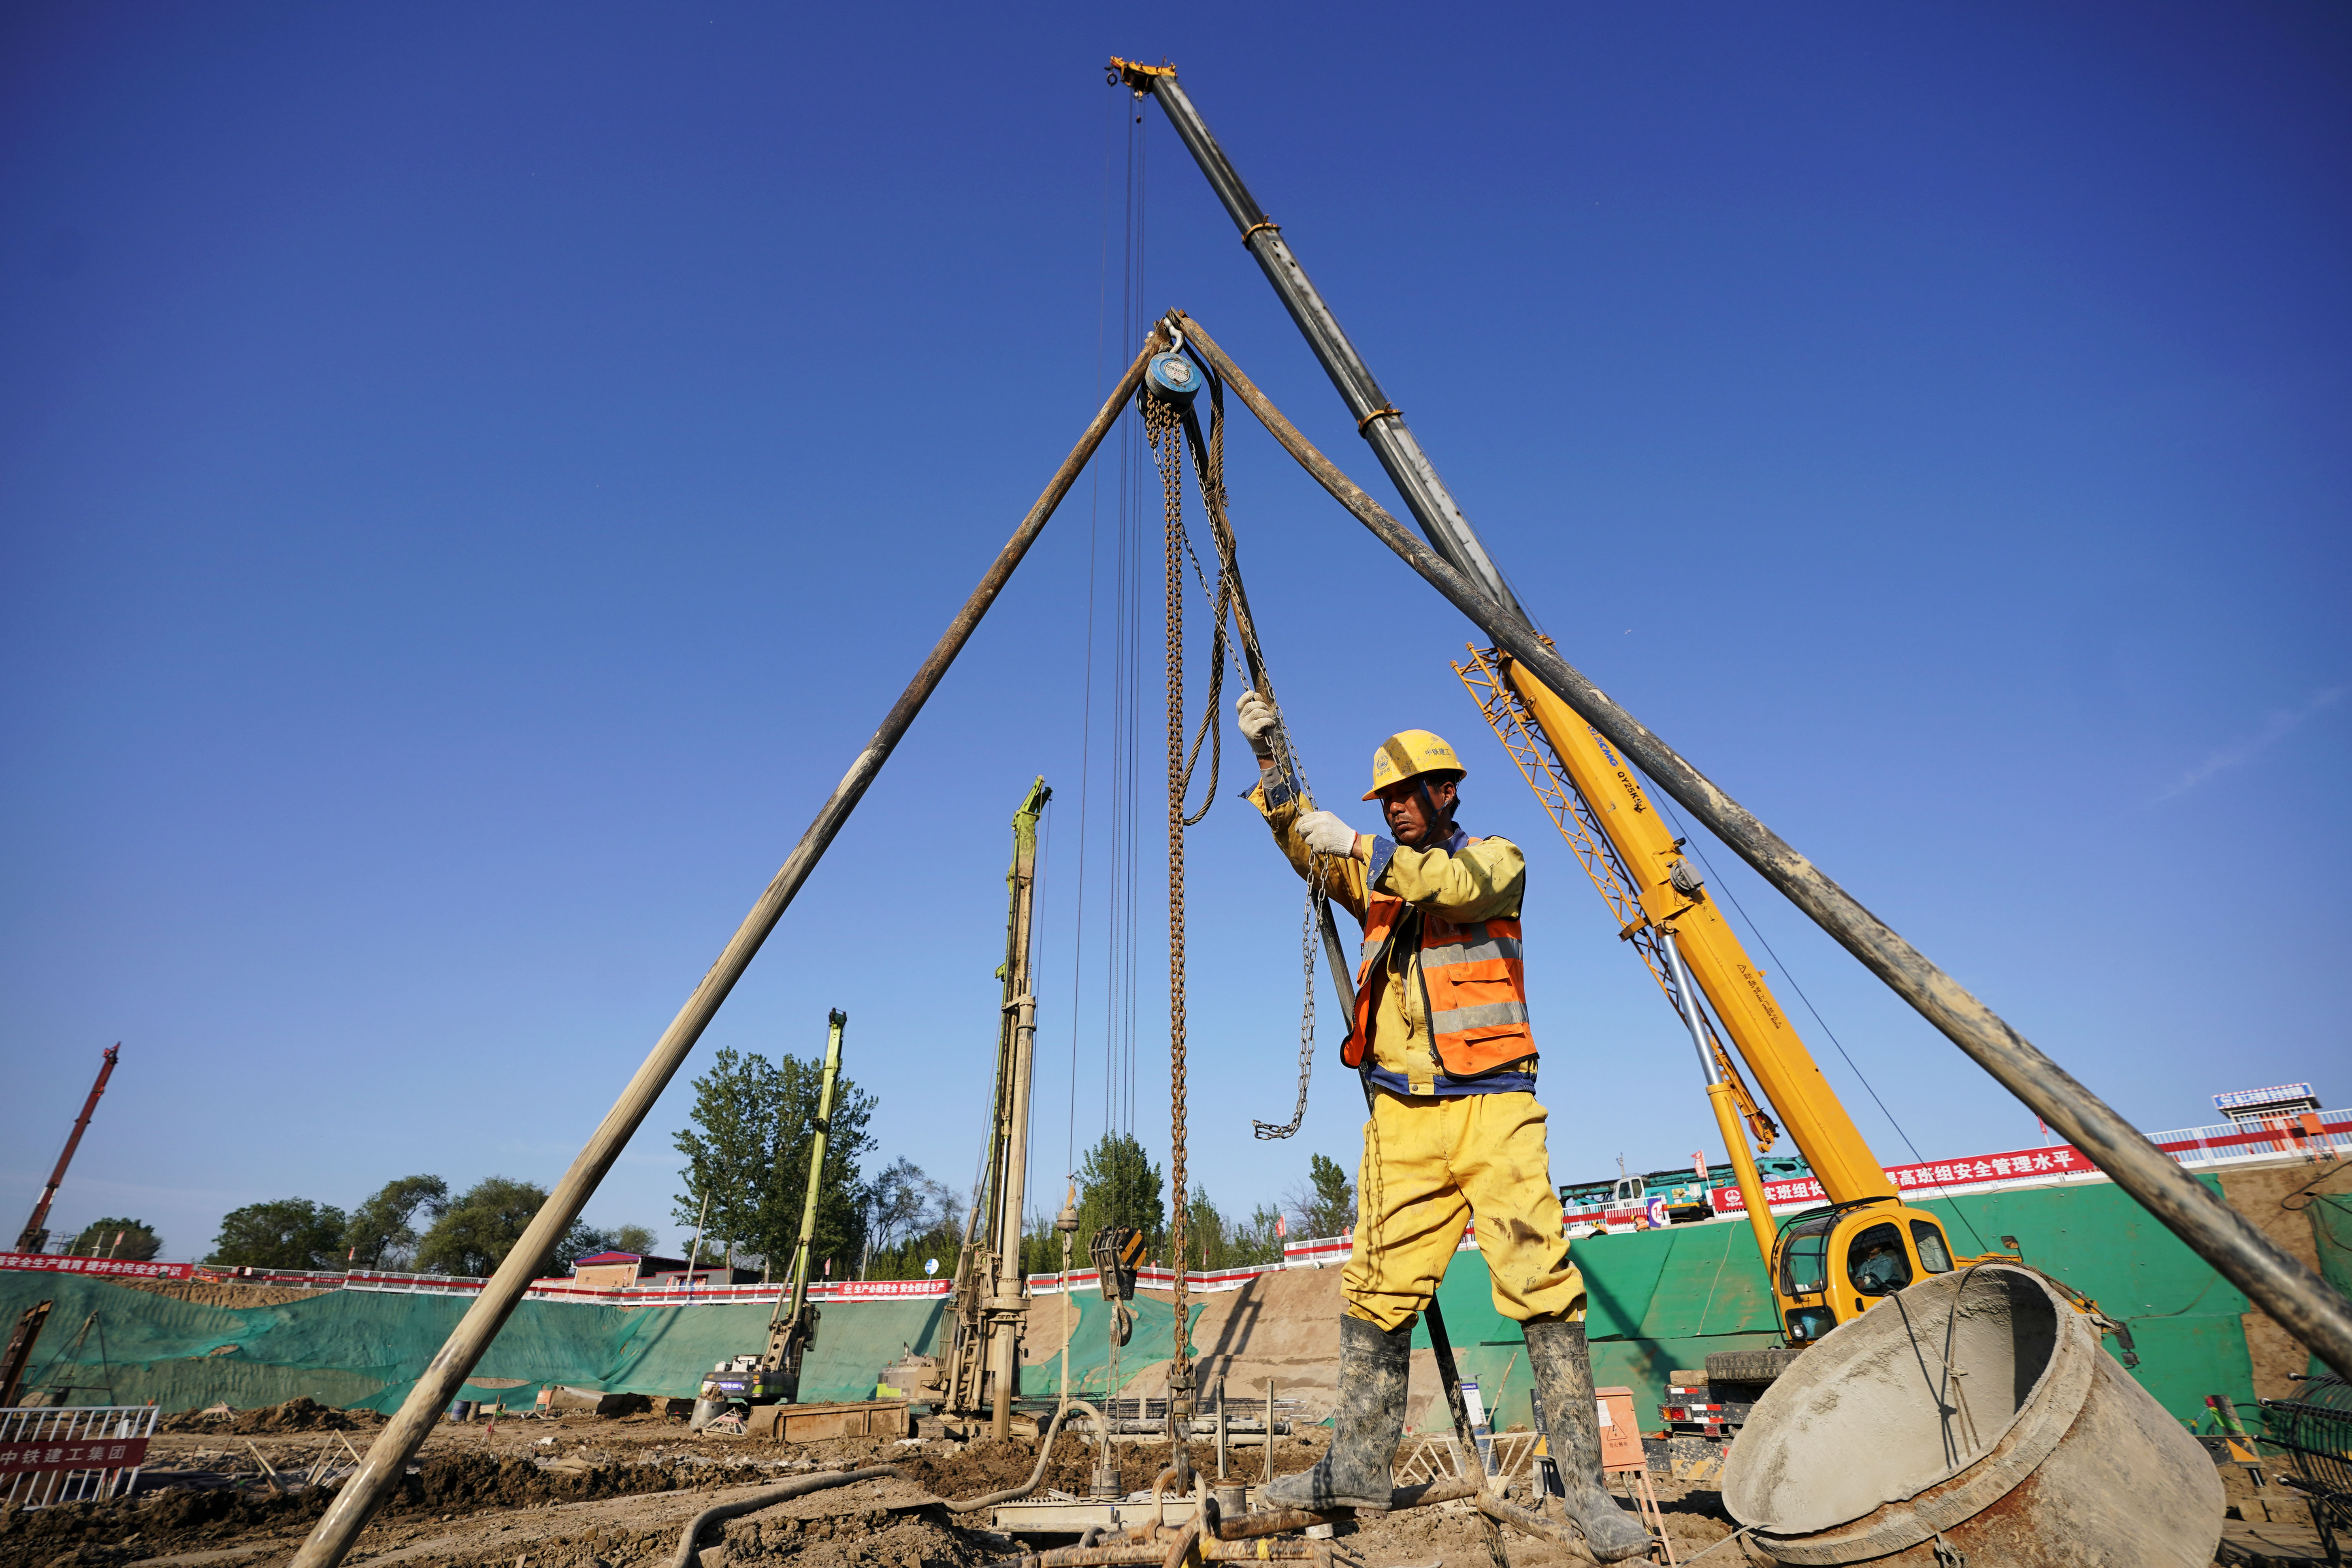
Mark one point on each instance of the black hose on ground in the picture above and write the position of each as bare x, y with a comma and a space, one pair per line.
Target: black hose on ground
1045, 1452
800, 1486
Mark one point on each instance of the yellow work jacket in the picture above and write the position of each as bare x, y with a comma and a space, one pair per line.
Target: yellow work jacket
1441, 992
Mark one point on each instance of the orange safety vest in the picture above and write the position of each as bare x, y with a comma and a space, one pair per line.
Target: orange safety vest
1474, 987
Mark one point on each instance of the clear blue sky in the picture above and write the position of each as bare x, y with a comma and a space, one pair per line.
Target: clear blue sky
472, 478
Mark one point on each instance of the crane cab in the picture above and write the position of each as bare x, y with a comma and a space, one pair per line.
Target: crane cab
1832, 1265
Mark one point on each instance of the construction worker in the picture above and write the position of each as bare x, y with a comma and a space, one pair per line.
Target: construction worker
1441, 1036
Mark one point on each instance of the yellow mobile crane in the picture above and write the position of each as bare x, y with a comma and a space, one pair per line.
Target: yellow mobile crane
1826, 1266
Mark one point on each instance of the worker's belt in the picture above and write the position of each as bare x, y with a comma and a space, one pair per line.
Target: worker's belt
1508, 1081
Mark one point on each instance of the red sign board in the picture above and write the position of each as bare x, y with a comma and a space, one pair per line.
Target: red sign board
120, 1268
1930, 1180
881, 1289
72, 1454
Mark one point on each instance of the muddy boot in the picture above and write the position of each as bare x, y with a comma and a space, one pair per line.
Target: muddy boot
1563, 1371
1354, 1472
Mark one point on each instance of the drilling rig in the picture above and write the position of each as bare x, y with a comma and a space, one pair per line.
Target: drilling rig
773, 1376
992, 1305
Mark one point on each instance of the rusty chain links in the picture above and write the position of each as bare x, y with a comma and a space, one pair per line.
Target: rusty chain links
1163, 426
1210, 470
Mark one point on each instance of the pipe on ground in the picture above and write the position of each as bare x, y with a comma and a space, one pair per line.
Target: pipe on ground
799, 1486
1045, 1452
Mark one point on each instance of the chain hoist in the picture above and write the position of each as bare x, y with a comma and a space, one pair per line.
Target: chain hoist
1172, 378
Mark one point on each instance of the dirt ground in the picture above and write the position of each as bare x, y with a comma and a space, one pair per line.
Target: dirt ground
585, 1491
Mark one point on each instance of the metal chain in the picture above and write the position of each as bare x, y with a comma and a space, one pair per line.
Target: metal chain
1162, 424
1309, 937
1210, 473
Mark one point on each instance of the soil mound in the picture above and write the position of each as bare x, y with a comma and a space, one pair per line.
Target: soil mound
299, 1414
219, 1292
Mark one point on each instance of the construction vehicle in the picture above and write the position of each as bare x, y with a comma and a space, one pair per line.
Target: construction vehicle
1826, 1265
990, 1306
773, 1376
34, 1237
1689, 1191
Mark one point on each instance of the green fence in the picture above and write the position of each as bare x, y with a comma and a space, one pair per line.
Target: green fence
1658, 1301
367, 1348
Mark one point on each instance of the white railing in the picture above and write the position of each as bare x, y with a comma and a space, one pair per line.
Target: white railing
75, 1453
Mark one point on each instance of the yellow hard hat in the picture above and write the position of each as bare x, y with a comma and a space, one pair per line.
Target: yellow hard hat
1408, 752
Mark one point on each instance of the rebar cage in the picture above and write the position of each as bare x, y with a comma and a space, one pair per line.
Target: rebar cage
2315, 1429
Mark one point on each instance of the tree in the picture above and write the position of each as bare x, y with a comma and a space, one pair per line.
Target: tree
1119, 1185
1326, 1203
139, 1241
896, 1202
932, 1229
478, 1230
584, 1240
383, 1234
748, 1154
288, 1233
1218, 1242
729, 1150
840, 1233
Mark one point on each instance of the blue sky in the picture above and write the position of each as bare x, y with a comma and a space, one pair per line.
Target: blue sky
470, 480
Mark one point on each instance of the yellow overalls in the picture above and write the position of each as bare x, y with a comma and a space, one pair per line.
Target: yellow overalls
1434, 1161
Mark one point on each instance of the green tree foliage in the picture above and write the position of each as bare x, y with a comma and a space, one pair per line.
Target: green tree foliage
1326, 1203
583, 1240
98, 1239
1119, 1185
915, 1219
1216, 1241
480, 1227
382, 1231
288, 1233
748, 1154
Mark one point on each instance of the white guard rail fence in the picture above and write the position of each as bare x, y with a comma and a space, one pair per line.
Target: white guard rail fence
74, 1453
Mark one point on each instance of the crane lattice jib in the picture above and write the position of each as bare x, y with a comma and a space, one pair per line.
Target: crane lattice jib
1574, 816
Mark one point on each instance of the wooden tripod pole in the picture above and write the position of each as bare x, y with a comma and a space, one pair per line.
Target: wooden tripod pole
388, 1455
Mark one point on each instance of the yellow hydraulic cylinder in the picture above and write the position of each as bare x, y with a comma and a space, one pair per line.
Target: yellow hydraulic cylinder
1719, 1096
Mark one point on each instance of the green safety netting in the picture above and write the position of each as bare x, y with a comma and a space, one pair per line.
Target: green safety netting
366, 1348
1658, 1301
1151, 1345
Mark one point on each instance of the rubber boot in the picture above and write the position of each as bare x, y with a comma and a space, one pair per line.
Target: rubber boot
1355, 1471
1563, 1371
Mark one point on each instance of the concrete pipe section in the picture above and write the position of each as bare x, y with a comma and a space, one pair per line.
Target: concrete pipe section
1975, 1414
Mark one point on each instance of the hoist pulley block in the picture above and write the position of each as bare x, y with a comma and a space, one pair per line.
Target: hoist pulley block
1173, 379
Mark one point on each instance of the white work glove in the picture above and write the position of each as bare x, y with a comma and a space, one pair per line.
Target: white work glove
1326, 834
1258, 720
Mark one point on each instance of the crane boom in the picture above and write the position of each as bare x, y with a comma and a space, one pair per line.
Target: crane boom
36, 1235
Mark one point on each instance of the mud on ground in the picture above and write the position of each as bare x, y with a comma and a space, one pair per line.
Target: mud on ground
577, 1492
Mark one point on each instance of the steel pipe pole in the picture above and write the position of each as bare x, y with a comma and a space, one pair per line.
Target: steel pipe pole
1377, 419
388, 1455
2298, 1300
